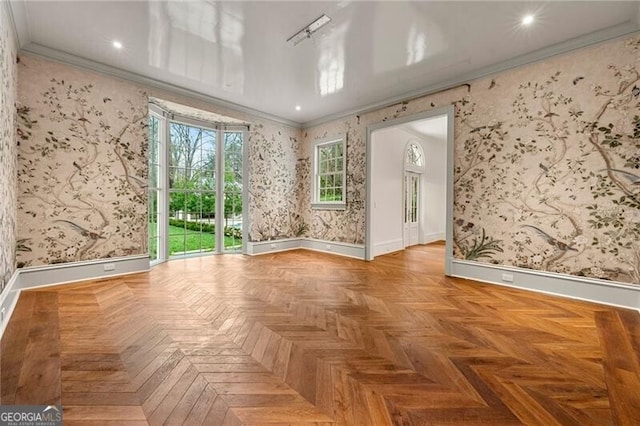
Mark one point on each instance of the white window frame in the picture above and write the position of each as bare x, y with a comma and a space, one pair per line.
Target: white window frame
315, 187
166, 118
161, 217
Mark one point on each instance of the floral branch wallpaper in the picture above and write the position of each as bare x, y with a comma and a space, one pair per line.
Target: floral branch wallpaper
276, 171
547, 165
82, 165
8, 156
339, 225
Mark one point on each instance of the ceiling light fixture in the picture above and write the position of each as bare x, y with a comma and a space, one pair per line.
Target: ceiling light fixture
527, 20
117, 44
298, 108
308, 31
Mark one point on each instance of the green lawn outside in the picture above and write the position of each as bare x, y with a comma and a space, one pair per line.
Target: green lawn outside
185, 240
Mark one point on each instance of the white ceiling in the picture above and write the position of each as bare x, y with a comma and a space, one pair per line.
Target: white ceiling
435, 128
370, 53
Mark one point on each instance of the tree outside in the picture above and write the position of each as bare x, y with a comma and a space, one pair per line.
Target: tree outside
192, 187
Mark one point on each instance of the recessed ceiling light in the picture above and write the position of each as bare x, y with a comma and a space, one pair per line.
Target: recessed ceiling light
117, 44
527, 20
298, 107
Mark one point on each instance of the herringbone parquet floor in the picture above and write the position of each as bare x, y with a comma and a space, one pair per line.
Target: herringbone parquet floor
308, 338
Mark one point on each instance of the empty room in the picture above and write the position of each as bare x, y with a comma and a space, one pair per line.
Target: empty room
305, 212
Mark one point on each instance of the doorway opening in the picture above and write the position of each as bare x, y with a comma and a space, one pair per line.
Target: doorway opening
412, 195
409, 175
196, 182
413, 169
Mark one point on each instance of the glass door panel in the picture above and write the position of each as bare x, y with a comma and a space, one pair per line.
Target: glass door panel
233, 175
191, 190
195, 191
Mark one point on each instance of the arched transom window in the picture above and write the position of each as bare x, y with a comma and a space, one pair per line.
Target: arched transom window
414, 157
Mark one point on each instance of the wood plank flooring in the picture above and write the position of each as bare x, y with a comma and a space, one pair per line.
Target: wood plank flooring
308, 338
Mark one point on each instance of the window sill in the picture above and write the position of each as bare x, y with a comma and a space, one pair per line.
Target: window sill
329, 206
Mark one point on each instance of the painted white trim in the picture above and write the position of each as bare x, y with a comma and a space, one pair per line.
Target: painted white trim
567, 46
433, 237
245, 190
449, 197
316, 204
569, 286
389, 246
355, 251
17, 14
272, 246
64, 273
9, 299
334, 247
77, 61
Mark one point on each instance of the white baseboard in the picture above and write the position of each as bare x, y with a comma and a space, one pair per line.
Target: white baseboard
355, 251
334, 247
42, 276
66, 273
272, 246
389, 246
8, 300
580, 288
433, 237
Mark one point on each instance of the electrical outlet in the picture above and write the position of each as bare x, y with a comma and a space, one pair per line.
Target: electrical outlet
508, 278
273, 245
328, 247
109, 266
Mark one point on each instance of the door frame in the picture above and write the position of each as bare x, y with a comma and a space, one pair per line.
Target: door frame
449, 111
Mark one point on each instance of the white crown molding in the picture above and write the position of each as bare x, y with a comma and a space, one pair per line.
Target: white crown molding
77, 61
590, 39
17, 13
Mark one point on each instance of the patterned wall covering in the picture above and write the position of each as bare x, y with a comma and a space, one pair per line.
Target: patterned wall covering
547, 165
82, 165
338, 225
8, 156
276, 171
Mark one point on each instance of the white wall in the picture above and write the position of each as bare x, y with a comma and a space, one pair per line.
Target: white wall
387, 162
434, 185
387, 149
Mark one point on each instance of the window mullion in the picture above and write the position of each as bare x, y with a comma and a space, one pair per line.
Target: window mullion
219, 174
165, 135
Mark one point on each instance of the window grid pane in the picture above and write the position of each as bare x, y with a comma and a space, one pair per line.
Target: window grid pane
414, 155
330, 171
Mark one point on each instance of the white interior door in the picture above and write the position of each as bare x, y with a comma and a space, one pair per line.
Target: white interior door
411, 206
